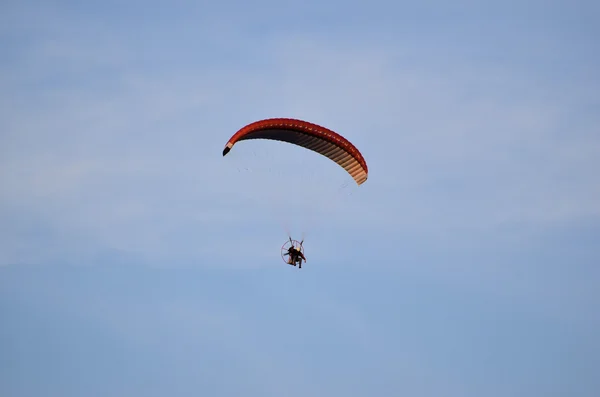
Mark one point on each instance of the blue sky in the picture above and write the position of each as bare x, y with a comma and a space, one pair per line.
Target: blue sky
136, 260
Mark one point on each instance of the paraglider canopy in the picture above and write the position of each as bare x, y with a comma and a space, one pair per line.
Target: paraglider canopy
310, 136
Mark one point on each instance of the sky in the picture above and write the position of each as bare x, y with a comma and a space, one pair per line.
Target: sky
136, 260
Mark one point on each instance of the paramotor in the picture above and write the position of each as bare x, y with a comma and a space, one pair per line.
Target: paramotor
289, 256
312, 137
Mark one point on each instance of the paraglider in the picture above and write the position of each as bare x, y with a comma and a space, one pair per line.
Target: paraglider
312, 137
